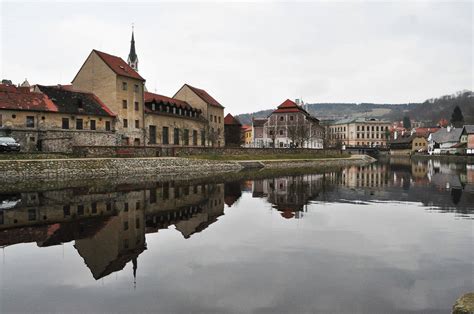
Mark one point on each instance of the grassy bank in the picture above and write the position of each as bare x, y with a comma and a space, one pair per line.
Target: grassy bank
295, 156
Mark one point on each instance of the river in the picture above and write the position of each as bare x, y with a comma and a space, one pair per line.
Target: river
391, 237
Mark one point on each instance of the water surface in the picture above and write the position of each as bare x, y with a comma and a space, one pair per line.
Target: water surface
392, 237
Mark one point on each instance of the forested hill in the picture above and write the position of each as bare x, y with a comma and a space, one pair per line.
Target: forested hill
431, 110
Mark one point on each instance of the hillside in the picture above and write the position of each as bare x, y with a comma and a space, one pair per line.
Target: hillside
430, 111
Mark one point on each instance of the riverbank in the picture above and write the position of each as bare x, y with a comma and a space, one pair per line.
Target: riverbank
50, 170
445, 158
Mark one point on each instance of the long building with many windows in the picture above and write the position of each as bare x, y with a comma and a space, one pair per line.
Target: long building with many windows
359, 132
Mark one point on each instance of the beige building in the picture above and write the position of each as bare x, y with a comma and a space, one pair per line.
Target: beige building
121, 88
359, 132
211, 109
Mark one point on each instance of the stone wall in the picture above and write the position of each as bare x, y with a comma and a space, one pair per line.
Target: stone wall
180, 151
59, 141
95, 168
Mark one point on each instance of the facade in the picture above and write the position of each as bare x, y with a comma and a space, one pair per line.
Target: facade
408, 145
50, 119
445, 141
468, 134
359, 132
121, 88
211, 109
248, 137
289, 126
173, 122
258, 132
232, 131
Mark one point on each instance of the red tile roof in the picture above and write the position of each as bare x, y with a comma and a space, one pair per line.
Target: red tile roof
118, 65
150, 97
205, 96
289, 106
15, 99
229, 119
51, 99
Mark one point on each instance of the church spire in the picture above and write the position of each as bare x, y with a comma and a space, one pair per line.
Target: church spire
132, 56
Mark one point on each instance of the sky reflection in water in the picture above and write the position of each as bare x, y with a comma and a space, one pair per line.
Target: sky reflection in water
391, 237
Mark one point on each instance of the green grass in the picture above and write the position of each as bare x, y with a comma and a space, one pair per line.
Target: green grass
269, 157
24, 156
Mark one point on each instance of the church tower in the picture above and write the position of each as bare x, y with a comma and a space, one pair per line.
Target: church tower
132, 56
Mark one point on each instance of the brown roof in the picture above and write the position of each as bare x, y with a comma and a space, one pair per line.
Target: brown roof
52, 99
289, 106
116, 64
230, 120
16, 99
205, 96
150, 97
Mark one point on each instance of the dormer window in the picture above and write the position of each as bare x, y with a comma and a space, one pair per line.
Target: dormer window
79, 103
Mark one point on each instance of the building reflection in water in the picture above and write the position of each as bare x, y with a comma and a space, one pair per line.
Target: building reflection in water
108, 228
109, 224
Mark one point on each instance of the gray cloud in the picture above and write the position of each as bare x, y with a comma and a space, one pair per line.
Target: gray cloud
252, 56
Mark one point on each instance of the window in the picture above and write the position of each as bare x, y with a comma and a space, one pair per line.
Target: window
176, 136
136, 106
281, 132
125, 207
219, 119
135, 88
79, 124
30, 122
195, 137
31, 214
152, 131
94, 208
125, 225
80, 210
186, 137
109, 206
211, 117
125, 123
203, 138
137, 205
124, 104
137, 223
215, 119
92, 124
65, 125
124, 85
152, 196
291, 118
107, 125
137, 124
165, 139
66, 210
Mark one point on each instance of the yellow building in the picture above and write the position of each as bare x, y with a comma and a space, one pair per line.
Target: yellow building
248, 139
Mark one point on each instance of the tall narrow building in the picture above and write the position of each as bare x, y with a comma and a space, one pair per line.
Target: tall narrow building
132, 56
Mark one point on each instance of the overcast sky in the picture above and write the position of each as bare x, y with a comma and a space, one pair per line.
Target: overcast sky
252, 56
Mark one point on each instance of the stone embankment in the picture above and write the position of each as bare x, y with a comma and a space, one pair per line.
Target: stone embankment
465, 304
99, 168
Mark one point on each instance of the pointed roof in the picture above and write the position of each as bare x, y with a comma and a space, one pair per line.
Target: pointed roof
204, 96
116, 64
230, 120
289, 106
132, 56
